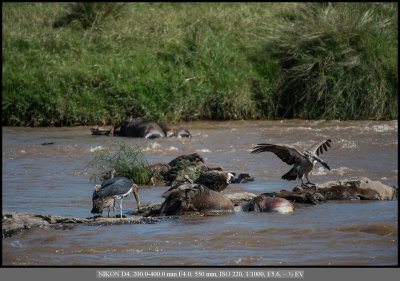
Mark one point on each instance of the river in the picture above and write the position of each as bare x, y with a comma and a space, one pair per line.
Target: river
51, 179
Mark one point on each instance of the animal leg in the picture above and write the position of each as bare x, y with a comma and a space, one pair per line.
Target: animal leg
308, 181
120, 207
114, 208
302, 183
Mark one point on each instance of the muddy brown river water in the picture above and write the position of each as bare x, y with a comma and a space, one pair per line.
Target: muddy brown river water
51, 179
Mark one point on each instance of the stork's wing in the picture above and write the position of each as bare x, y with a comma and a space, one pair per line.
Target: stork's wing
319, 148
114, 186
287, 154
109, 181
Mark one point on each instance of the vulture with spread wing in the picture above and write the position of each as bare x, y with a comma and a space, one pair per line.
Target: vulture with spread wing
303, 162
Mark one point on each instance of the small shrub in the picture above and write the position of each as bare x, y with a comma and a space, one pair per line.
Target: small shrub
126, 160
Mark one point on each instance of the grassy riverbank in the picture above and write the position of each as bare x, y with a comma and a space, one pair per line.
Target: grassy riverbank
188, 61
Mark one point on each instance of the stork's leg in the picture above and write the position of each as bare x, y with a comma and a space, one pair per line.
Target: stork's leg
114, 208
120, 207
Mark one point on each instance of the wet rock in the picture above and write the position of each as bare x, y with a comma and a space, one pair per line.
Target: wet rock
386, 192
240, 196
355, 188
193, 159
159, 173
317, 194
191, 165
345, 192
303, 197
124, 220
146, 208
14, 223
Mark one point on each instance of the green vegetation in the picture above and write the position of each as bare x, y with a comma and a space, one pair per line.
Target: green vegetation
99, 63
126, 160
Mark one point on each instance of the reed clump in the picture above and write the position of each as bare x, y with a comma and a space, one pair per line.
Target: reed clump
94, 63
337, 61
127, 161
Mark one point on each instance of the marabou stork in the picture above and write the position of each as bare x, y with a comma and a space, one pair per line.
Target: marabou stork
111, 189
303, 162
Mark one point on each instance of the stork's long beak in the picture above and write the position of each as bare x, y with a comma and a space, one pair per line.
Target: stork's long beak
136, 194
322, 162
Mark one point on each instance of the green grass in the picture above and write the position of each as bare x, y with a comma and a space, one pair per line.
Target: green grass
69, 65
126, 160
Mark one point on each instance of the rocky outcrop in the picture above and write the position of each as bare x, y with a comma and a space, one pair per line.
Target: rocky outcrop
352, 189
363, 183
303, 197
349, 189
13, 223
240, 196
191, 165
159, 173
345, 192
146, 209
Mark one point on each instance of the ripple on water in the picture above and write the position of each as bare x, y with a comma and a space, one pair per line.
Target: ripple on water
51, 179
321, 171
379, 229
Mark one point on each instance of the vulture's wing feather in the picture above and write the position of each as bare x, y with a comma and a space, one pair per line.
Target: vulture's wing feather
319, 148
287, 154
